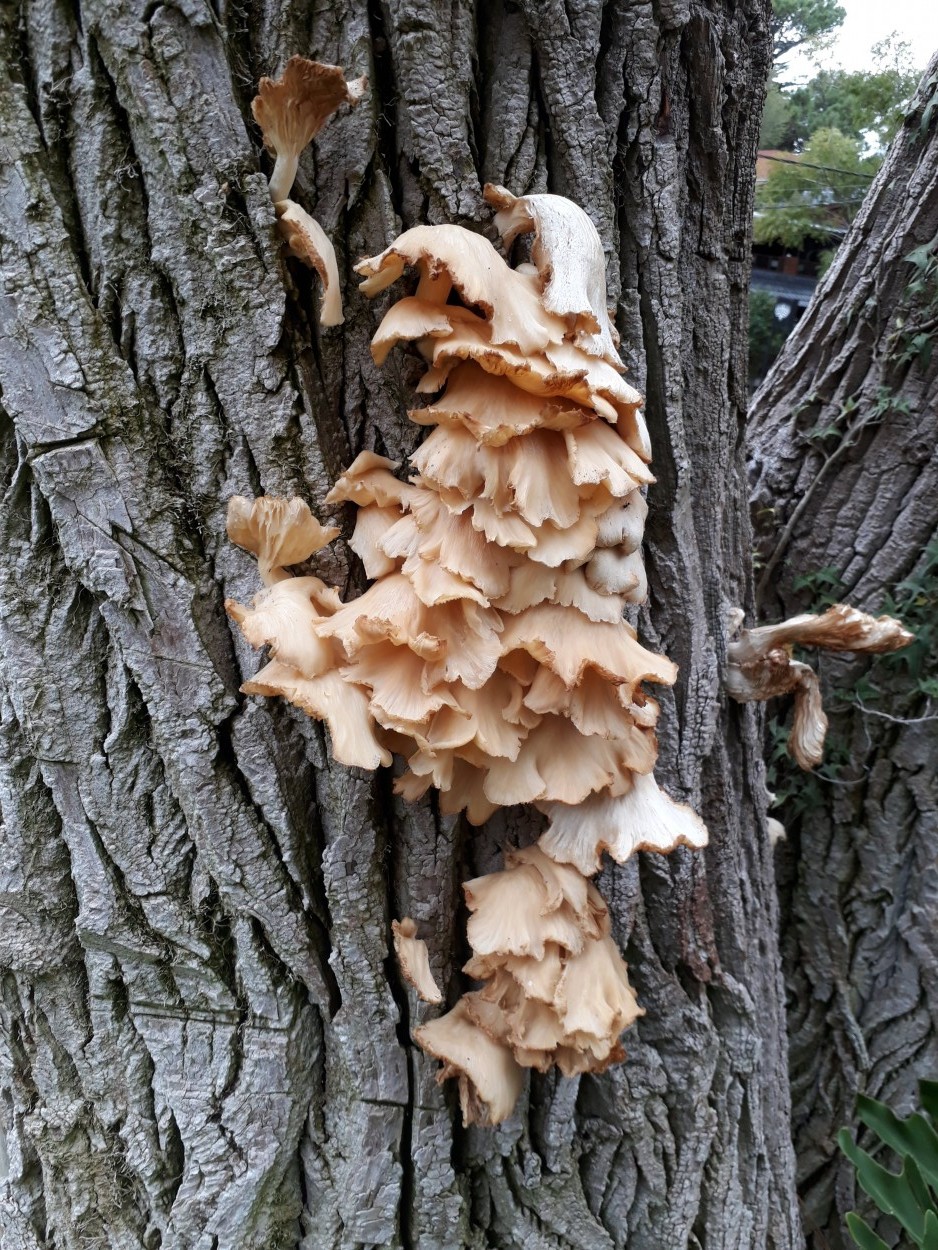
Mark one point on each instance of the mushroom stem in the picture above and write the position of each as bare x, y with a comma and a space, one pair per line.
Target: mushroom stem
284, 175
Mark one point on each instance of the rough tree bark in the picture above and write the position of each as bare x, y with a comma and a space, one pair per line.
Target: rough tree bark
204, 1041
843, 438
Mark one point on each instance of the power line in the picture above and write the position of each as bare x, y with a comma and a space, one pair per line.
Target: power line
813, 207
828, 169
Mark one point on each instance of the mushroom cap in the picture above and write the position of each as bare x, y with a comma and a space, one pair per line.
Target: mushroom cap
613, 572
596, 706
285, 617
329, 697
413, 319
372, 522
494, 410
490, 1081
527, 476
641, 819
512, 914
293, 108
594, 998
840, 628
510, 303
459, 635
413, 959
492, 718
622, 525
557, 762
561, 370
307, 240
533, 583
279, 532
537, 978
597, 456
809, 722
569, 643
369, 479
569, 259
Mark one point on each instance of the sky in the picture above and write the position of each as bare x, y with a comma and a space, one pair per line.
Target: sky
869, 21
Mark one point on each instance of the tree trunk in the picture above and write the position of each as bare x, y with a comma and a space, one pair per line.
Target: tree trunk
205, 1043
843, 438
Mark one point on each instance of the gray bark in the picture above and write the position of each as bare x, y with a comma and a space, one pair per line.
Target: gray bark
842, 440
205, 1043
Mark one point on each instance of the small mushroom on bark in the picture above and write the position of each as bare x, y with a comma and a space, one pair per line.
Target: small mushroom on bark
414, 961
290, 111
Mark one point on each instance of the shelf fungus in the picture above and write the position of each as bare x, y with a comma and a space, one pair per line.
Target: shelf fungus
291, 110
491, 650
760, 665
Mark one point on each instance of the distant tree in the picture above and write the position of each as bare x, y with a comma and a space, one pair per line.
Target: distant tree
776, 118
814, 196
865, 105
794, 22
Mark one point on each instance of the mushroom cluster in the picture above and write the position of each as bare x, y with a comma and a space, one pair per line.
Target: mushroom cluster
491, 650
555, 992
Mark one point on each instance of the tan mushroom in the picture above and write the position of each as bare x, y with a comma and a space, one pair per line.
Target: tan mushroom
293, 108
279, 532
641, 819
490, 1080
290, 111
568, 255
491, 651
760, 665
330, 698
308, 242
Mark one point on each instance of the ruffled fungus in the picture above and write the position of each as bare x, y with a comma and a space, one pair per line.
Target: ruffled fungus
491, 649
291, 110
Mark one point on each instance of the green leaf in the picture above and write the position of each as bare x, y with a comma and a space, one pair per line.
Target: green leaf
895, 1195
913, 1136
863, 1235
930, 1241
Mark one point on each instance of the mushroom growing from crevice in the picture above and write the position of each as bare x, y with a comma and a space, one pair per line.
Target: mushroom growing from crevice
491, 650
760, 665
291, 110
413, 960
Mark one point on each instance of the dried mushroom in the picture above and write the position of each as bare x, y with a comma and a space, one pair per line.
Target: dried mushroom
760, 665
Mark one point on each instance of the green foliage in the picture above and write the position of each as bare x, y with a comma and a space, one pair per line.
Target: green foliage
910, 1195
766, 333
867, 106
776, 127
795, 791
915, 601
798, 202
794, 22
824, 587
